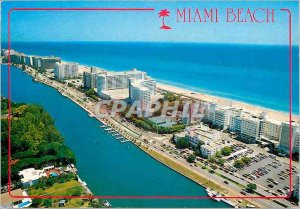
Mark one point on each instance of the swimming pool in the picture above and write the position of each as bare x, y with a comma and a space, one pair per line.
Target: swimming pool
23, 204
53, 174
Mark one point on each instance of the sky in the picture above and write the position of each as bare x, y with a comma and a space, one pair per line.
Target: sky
144, 25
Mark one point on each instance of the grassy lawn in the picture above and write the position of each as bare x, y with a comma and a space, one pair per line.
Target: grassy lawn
75, 203
67, 188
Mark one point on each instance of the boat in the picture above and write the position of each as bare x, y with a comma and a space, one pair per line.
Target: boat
103, 126
126, 140
119, 137
116, 134
213, 194
108, 129
106, 203
209, 192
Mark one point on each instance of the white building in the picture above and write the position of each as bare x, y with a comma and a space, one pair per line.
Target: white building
235, 124
270, 129
248, 126
65, 70
89, 80
250, 129
30, 176
210, 112
222, 118
201, 134
218, 116
142, 90
210, 149
117, 80
284, 141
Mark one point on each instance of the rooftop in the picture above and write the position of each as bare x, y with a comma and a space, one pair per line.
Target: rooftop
117, 93
30, 174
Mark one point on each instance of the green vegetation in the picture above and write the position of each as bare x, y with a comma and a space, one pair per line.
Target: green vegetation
36, 202
96, 203
216, 159
191, 158
68, 188
197, 150
182, 143
35, 142
246, 160
238, 164
64, 185
4, 106
44, 182
92, 94
211, 171
221, 161
4, 60
171, 97
242, 162
151, 126
226, 151
251, 187
47, 203
71, 85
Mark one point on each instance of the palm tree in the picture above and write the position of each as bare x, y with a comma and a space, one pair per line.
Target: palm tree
164, 13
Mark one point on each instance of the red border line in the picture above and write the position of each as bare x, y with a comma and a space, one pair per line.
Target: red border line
147, 196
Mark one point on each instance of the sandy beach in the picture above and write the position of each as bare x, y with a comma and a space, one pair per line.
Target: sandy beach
276, 115
273, 114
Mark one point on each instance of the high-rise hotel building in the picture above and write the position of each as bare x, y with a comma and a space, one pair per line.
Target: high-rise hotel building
142, 90
284, 141
65, 70
117, 80
90, 78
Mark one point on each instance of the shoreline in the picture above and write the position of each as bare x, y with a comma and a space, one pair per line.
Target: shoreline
215, 95
193, 93
274, 114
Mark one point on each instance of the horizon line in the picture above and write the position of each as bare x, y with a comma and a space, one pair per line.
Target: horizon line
155, 42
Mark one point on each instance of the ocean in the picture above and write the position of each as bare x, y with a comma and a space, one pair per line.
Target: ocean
254, 74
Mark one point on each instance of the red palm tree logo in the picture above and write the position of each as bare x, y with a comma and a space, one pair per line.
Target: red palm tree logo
164, 13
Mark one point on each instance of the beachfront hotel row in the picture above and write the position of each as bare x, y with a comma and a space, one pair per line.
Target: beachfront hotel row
135, 85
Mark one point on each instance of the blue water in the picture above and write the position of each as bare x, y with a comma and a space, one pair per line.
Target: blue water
21, 205
54, 174
108, 166
250, 73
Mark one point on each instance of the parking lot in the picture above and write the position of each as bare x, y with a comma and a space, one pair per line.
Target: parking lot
270, 173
